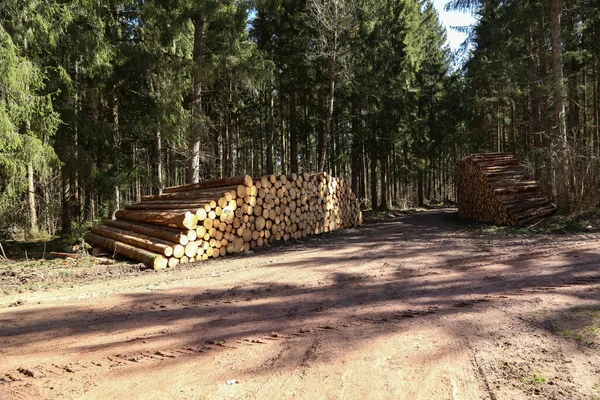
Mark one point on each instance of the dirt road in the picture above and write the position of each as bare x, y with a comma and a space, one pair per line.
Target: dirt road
415, 307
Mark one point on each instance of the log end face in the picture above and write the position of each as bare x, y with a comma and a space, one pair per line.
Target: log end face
190, 220
160, 262
179, 250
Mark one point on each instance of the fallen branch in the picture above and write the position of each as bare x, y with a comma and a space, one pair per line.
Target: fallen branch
57, 254
3, 253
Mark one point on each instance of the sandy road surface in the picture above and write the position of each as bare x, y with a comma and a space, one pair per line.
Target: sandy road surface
411, 308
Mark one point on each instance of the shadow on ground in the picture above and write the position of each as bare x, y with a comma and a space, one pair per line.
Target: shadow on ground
370, 274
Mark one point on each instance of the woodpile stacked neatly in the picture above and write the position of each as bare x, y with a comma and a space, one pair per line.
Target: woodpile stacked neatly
195, 222
495, 188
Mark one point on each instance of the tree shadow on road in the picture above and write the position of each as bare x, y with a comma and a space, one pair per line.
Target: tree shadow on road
362, 278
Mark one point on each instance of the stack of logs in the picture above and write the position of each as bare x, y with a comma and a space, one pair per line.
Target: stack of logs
198, 221
495, 188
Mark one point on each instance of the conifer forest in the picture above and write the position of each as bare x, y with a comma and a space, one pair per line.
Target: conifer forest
102, 102
300, 199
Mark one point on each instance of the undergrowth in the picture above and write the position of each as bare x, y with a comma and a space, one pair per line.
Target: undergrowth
588, 221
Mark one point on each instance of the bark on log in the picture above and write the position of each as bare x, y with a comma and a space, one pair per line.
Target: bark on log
149, 206
150, 243
174, 235
237, 180
242, 217
196, 195
185, 220
496, 188
152, 260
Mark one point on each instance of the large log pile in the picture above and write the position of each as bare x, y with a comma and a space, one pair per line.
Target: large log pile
495, 188
195, 222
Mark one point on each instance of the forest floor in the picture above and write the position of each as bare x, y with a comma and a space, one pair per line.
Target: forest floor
409, 306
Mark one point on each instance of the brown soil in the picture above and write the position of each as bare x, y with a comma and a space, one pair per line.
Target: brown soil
413, 307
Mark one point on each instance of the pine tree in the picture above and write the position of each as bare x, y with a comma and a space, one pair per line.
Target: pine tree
27, 124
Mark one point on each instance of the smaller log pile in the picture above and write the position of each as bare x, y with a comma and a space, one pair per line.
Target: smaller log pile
195, 222
495, 188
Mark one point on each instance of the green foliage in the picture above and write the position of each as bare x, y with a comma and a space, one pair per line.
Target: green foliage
588, 221
535, 380
101, 82
27, 123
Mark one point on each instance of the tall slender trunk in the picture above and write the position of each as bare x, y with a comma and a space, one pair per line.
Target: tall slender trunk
356, 148
33, 222
337, 155
293, 134
196, 123
429, 183
420, 200
65, 221
562, 152
270, 129
137, 192
261, 153
596, 88
329, 115
596, 105
363, 172
283, 134
306, 166
332, 163
384, 181
33, 225
74, 200
159, 162
117, 144
536, 104
229, 136
214, 169
546, 135
395, 176
374, 177
584, 106
573, 127
226, 150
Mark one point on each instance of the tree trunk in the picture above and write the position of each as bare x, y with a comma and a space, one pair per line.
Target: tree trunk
595, 135
228, 166
336, 143
282, 135
65, 201
536, 105
329, 114
196, 123
573, 127
562, 173
420, 200
33, 226
117, 143
384, 182
546, 135
363, 172
293, 134
153, 260
270, 130
159, 164
374, 177
137, 190
306, 132
356, 148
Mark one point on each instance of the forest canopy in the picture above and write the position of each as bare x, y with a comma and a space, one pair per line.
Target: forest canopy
103, 101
